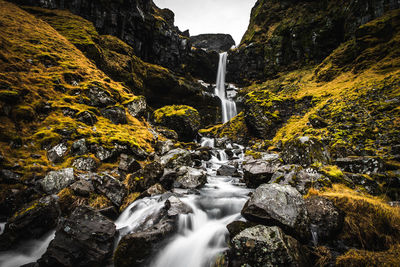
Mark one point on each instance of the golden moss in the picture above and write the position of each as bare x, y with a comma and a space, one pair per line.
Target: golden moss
361, 258
129, 200
332, 171
99, 201
173, 110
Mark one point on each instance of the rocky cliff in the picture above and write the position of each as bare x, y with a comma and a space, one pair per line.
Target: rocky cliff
213, 42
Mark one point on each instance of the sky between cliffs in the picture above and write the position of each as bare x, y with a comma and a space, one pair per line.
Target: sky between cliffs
211, 16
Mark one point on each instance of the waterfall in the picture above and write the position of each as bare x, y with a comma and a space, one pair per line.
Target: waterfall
227, 105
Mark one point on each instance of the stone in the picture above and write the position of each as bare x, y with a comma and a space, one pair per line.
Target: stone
137, 107
87, 118
82, 188
191, 178
261, 246
85, 164
168, 178
128, 164
274, 204
213, 42
257, 172
32, 221
326, 220
153, 190
103, 154
227, 170
176, 207
115, 114
167, 133
55, 181
176, 158
113, 189
85, 238
163, 147
363, 165
79, 147
99, 97
9, 177
146, 177
234, 228
57, 153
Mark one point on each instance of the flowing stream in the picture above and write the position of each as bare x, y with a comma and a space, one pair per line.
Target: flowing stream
228, 106
201, 235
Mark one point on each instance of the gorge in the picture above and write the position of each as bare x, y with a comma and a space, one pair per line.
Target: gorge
125, 141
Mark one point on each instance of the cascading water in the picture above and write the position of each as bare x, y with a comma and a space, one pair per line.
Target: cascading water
201, 235
227, 105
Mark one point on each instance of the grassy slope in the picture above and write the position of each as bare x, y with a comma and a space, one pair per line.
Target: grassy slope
37, 65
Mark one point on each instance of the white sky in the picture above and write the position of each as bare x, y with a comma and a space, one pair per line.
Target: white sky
211, 16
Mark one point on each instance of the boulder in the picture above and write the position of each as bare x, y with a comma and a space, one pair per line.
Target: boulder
85, 238
261, 246
234, 228
87, 118
153, 190
176, 158
115, 114
176, 207
305, 151
191, 178
113, 189
31, 221
184, 120
213, 42
274, 204
102, 153
326, 220
364, 165
168, 178
227, 170
99, 97
85, 164
128, 164
257, 172
9, 177
137, 107
146, 177
82, 188
163, 147
79, 147
57, 153
54, 181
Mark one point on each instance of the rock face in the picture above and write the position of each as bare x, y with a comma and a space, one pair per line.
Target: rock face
365, 165
274, 204
275, 42
213, 42
182, 119
85, 238
260, 246
54, 181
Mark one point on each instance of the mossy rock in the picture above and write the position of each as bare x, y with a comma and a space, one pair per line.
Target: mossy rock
9, 97
185, 120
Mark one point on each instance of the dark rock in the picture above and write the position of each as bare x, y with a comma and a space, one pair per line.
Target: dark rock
317, 122
54, 181
128, 164
213, 42
85, 238
113, 189
168, 179
163, 147
364, 165
168, 133
153, 190
110, 212
137, 107
234, 228
326, 220
368, 183
85, 164
103, 154
57, 153
257, 172
203, 64
9, 177
99, 97
260, 246
274, 204
82, 188
305, 151
176, 207
32, 221
176, 157
87, 118
227, 170
191, 178
115, 114
79, 147
146, 177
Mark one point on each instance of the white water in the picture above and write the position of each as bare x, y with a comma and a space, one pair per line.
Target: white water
228, 106
28, 252
202, 234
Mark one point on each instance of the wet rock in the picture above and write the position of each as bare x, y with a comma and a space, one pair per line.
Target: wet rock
364, 165
9, 177
284, 206
153, 190
260, 246
163, 147
32, 221
85, 164
113, 189
234, 228
116, 115
184, 120
168, 133
326, 220
137, 107
57, 153
168, 178
146, 177
305, 151
82, 188
176, 207
79, 147
85, 238
87, 118
176, 157
54, 181
191, 178
128, 164
227, 170
99, 98
257, 172
103, 154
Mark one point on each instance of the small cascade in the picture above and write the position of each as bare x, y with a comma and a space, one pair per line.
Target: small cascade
228, 106
314, 234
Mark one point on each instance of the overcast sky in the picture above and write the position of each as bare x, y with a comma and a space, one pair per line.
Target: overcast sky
211, 16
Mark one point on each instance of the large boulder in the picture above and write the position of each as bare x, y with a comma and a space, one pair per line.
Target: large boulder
54, 181
31, 221
137, 106
274, 204
182, 119
85, 238
176, 158
85, 164
57, 153
227, 170
146, 177
113, 189
115, 114
257, 172
305, 151
190, 178
261, 246
99, 97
